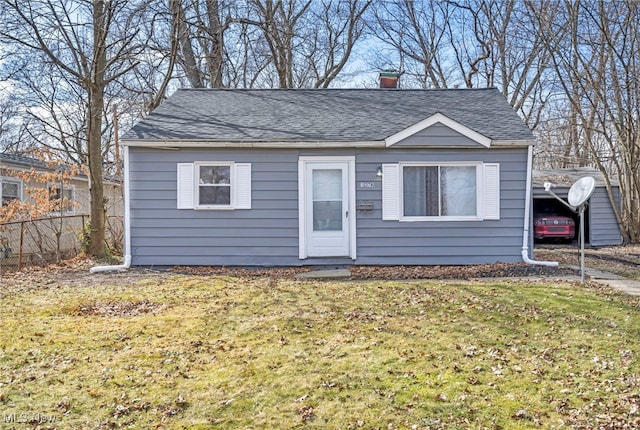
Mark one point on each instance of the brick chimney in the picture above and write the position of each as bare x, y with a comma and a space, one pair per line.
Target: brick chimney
389, 79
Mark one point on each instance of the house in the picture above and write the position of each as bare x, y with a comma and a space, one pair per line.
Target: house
48, 192
322, 177
601, 226
74, 192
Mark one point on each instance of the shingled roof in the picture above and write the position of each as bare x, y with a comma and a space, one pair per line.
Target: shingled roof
23, 160
315, 115
567, 177
20, 160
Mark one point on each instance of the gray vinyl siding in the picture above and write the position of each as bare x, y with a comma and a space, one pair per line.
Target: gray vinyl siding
444, 242
162, 235
267, 234
604, 229
438, 135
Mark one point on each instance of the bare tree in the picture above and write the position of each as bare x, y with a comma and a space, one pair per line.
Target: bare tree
54, 117
417, 32
517, 59
596, 60
91, 44
304, 43
339, 25
11, 130
143, 89
199, 29
470, 43
279, 23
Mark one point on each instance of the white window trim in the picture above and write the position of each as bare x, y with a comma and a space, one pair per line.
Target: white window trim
11, 180
479, 191
232, 185
71, 187
302, 215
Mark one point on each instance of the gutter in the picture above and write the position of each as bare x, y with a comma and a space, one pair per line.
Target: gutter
280, 144
527, 217
250, 143
127, 224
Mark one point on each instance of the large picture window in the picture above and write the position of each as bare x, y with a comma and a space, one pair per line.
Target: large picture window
440, 191
467, 191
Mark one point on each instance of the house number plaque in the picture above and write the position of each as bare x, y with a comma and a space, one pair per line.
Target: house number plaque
369, 185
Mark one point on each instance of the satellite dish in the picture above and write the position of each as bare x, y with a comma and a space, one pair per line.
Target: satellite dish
578, 195
580, 192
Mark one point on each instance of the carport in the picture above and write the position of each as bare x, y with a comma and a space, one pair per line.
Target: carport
601, 227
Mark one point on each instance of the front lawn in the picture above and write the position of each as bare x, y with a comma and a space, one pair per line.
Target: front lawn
190, 351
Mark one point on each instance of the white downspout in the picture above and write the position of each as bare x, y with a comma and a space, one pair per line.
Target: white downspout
127, 224
527, 216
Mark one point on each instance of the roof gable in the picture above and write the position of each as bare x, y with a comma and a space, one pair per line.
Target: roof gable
432, 139
312, 116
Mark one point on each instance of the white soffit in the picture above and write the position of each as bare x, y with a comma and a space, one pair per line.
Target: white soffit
438, 118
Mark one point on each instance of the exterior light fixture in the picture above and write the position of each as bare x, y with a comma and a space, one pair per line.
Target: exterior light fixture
379, 172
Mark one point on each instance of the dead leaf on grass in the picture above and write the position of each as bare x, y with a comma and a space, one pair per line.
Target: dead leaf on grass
117, 308
521, 414
457, 272
441, 397
306, 413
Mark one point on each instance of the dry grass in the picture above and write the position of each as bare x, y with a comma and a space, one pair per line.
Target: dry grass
193, 351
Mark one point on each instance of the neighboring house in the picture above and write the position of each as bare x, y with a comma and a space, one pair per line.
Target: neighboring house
601, 226
75, 193
323, 177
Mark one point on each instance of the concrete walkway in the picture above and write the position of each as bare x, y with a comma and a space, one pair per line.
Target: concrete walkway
325, 274
628, 286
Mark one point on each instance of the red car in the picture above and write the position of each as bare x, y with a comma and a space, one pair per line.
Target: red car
548, 226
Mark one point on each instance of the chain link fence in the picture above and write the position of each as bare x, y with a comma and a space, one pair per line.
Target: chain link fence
48, 240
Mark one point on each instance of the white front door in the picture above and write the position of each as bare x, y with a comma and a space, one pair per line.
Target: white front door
326, 213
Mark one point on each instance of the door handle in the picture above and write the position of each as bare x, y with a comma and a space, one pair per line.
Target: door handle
347, 214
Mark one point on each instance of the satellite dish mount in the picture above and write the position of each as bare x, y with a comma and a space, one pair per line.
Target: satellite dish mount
577, 201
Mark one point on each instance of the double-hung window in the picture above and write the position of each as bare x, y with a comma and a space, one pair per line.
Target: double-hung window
10, 190
214, 185
463, 191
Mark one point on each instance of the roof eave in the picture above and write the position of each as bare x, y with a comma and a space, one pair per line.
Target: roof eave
19, 164
513, 142
175, 144
168, 144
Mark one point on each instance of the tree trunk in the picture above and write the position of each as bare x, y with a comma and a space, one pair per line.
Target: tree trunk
188, 56
95, 88
216, 32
